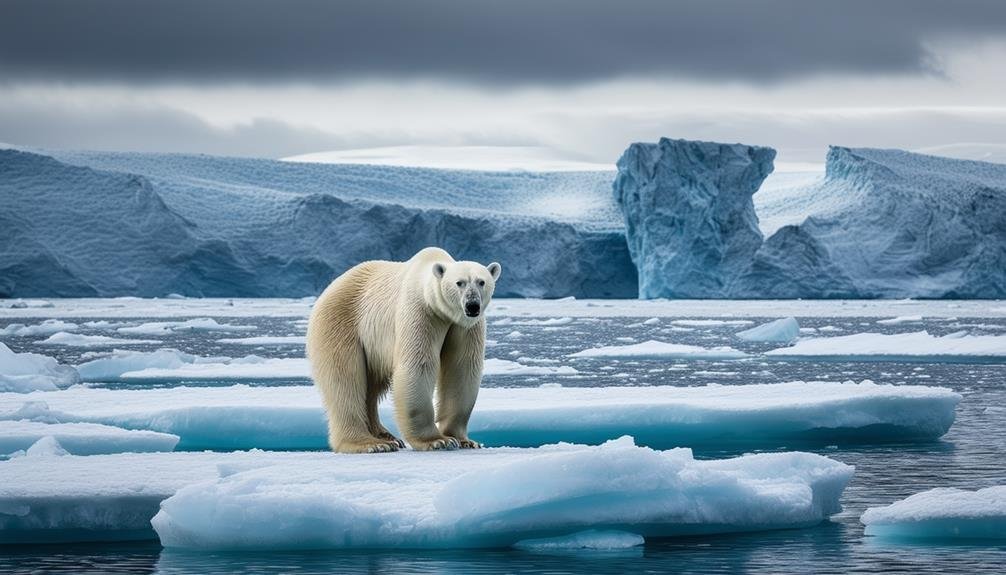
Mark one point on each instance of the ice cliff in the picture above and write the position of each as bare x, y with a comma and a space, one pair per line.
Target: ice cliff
880, 223
144, 224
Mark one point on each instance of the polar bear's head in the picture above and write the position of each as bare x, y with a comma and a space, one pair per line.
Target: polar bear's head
465, 289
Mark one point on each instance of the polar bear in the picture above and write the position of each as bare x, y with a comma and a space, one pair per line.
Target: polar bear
416, 327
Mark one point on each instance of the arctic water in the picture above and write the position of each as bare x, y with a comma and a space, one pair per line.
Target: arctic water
969, 456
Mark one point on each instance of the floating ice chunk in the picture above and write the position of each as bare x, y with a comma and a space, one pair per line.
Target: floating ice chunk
197, 324
900, 319
498, 497
783, 330
81, 340
82, 438
714, 416
20, 303
652, 321
711, 322
943, 513
46, 446
504, 367
606, 540
553, 321
248, 367
267, 340
47, 327
915, 346
112, 367
25, 372
653, 349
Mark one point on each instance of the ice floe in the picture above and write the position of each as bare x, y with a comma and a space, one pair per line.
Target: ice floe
25, 372
653, 349
82, 438
715, 416
784, 330
942, 513
266, 340
198, 324
82, 340
47, 327
711, 322
915, 346
496, 498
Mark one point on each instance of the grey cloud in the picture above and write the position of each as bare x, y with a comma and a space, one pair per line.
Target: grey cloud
500, 42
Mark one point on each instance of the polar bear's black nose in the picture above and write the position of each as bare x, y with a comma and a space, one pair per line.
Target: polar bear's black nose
472, 309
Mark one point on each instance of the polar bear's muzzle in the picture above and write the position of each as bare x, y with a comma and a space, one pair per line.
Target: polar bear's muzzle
473, 308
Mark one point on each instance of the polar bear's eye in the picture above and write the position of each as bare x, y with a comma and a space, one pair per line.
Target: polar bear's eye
461, 283
482, 283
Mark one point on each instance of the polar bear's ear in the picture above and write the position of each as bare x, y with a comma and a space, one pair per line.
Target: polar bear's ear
494, 270
439, 270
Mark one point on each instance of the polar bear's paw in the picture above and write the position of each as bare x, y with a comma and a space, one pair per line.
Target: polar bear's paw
436, 444
387, 436
469, 444
368, 446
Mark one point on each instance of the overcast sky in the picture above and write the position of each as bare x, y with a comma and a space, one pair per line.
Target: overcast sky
583, 77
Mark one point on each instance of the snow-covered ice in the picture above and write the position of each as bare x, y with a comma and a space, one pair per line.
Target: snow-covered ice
914, 346
505, 367
82, 438
83, 340
25, 372
784, 330
711, 322
496, 498
942, 513
47, 327
291, 417
266, 340
482, 498
160, 328
900, 320
653, 349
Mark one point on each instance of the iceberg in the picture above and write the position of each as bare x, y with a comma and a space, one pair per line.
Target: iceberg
653, 349
110, 224
47, 327
497, 498
942, 513
689, 216
914, 346
867, 229
82, 438
784, 330
25, 372
711, 416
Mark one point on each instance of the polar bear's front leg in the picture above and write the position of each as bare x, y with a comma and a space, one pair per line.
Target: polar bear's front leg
458, 385
413, 383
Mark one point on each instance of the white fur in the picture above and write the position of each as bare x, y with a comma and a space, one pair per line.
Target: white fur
401, 325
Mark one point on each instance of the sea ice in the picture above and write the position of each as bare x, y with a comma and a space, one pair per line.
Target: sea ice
25, 372
197, 324
914, 346
266, 340
720, 416
47, 327
82, 438
82, 340
498, 497
943, 513
784, 330
653, 349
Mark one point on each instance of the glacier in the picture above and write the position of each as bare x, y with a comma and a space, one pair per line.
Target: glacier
682, 219
710, 416
157, 224
942, 514
879, 223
